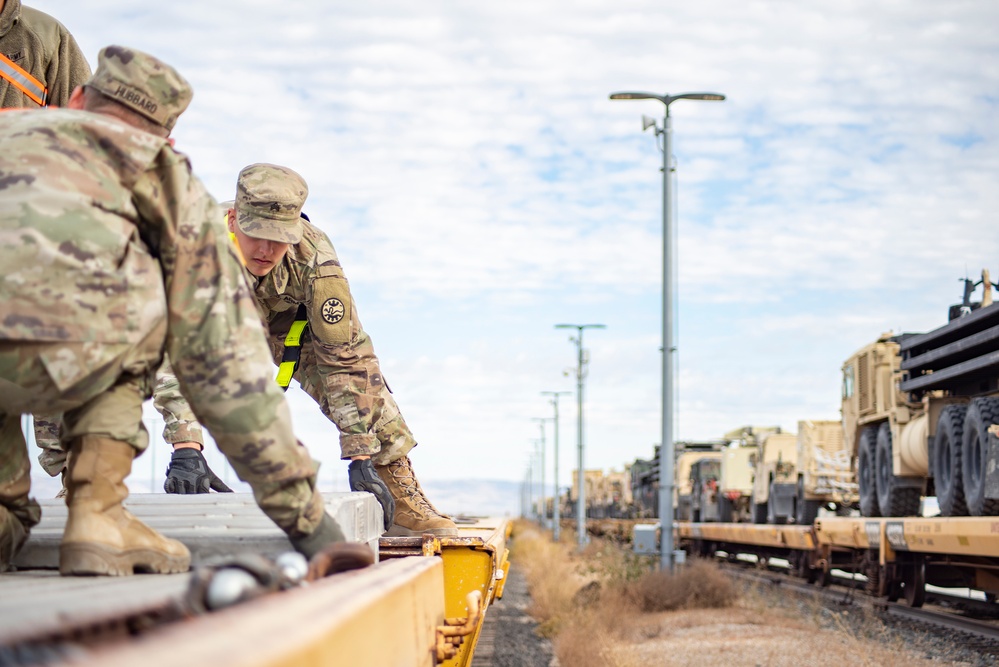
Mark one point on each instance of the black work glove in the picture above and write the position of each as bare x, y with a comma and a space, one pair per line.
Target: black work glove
363, 477
188, 472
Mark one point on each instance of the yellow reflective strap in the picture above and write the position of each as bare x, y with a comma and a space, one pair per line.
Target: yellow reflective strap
294, 337
292, 348
285, 371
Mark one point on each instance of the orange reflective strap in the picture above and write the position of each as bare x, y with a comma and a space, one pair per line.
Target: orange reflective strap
23, 81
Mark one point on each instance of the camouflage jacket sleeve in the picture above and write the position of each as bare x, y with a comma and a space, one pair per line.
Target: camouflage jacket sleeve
214, 338
341, 370
179, 422
47, 52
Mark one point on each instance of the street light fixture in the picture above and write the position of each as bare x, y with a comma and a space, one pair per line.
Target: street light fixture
556, 510
666, 450
580, 375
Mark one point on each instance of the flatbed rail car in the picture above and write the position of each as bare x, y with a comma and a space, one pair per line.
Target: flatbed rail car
898, 556
423, 603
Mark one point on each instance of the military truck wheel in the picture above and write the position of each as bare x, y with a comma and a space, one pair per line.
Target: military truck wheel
893, 590
725, 510
772, 516
893, 499
914, 582
866, 473
759, 511
805, 511
947, 461
982, 413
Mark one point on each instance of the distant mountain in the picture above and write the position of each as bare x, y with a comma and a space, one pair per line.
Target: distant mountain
474, 497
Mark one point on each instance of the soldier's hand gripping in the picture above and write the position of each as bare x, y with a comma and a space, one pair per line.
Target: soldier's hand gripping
188, 472
362, 476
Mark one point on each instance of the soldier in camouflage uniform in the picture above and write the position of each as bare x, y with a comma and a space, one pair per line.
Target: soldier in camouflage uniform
46, 52
292, 263
43, 49
112, 253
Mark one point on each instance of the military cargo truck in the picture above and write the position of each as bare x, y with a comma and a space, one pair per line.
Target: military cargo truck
645, 488
736, 483
704, 474
775, 478
916, 413
688, 453
825, 476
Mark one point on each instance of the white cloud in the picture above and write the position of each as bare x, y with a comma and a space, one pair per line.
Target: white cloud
480, 187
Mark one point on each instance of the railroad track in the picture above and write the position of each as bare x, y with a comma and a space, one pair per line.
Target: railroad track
982, 635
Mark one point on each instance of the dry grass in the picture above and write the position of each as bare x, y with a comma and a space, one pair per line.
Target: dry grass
607, 608
699, 585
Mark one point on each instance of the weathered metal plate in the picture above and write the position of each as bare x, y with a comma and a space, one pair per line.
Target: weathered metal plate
957, 536
328, 622
213, 526
36, 602
791, 537
41, 604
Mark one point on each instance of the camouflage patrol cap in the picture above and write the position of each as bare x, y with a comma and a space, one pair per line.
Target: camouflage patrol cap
269, 203
142, 83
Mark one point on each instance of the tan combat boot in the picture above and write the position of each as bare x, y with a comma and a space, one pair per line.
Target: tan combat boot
414, 515
101, 536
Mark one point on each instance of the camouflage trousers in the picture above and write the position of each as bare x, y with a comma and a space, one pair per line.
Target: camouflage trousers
179, 423
108, 401
53, 454
18, 511
394, 439
116, 419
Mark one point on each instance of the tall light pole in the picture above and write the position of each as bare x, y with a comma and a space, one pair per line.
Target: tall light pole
537, 480
581, 363
524, 502
529, 482
544, 508
556, 510
666, 451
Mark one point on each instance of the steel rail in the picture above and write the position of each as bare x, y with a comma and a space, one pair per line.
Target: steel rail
842, 592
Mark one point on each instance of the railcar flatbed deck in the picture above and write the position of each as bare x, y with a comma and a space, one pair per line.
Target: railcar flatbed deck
421, 586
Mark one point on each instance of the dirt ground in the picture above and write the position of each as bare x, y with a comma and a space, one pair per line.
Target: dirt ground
751, 637
597, 609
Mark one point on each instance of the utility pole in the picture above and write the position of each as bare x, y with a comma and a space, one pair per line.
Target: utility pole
530, 487
556, 509
581, 363
544, 507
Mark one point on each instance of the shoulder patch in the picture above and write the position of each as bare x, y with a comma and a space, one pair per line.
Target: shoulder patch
329, 312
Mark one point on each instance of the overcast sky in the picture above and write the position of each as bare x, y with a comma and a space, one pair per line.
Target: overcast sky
480, 187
